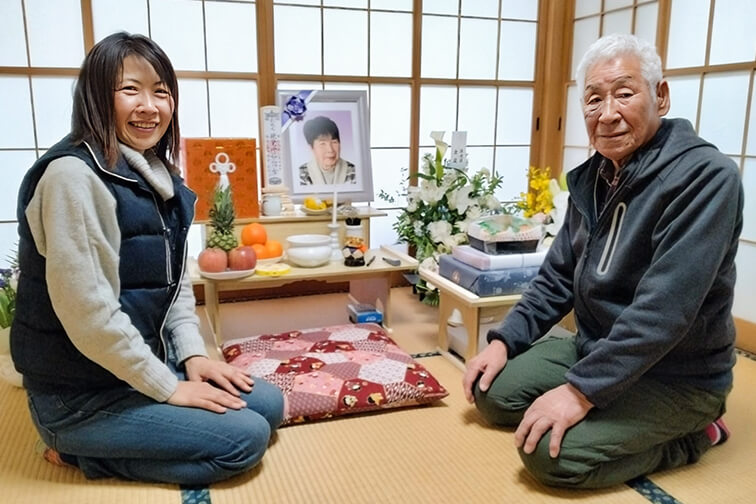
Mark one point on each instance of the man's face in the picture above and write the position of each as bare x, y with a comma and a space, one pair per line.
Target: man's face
620, 113
327, 151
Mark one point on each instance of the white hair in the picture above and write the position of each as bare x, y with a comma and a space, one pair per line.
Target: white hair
621, 44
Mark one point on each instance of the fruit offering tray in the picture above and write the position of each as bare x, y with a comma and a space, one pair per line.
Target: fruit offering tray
228, 274
312, 211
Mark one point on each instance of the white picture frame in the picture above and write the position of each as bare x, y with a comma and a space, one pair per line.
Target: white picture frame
349, 111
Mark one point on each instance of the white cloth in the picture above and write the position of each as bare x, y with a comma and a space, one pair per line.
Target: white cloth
151, 168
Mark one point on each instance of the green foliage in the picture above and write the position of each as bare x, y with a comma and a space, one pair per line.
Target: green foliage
440, 204
7, 296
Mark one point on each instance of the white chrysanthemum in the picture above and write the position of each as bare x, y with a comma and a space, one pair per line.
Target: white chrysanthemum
430, 192
490, 201
449, 178
459, 239
418, 227
450, 242
439, 231
473, 212
460, 200
485, 172
429, 263
413, 198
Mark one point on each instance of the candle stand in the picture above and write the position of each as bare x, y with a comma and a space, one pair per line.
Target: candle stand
335, 245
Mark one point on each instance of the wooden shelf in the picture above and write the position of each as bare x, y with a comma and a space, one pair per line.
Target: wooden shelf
363, 213
281, 227
367, 284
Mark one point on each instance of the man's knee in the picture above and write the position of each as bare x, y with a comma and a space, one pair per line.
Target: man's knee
562, 471
495, 410
556, 472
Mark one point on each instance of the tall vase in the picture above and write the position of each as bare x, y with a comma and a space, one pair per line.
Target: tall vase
8, 373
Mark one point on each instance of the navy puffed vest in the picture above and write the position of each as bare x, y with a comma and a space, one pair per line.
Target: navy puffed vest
152, 253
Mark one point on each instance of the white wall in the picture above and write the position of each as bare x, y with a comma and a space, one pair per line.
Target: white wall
745, 287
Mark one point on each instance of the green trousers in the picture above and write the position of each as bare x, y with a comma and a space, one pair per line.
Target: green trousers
651, 427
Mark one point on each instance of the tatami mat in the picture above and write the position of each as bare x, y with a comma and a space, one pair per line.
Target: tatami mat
25, 477
441, 453
430, 454
726, 473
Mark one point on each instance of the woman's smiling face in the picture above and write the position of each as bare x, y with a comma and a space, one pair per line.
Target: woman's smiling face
143, 105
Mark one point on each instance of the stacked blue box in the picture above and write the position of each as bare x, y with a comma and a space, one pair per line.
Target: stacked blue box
492, 282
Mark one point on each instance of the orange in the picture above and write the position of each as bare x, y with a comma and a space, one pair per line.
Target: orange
274, 248
253, 233
260, 250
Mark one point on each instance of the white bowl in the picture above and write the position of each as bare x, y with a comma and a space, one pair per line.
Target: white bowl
309, 250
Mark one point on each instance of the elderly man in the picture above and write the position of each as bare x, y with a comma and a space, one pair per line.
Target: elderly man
646, 260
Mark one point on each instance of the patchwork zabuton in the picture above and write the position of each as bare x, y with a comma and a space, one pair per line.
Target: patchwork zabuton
335, 370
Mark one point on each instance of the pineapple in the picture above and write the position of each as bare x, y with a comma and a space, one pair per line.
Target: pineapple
222, 220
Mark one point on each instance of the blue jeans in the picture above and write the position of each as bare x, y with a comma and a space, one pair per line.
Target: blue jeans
121, 432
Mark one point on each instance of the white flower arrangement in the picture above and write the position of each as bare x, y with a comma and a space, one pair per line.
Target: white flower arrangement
440, 207
8, 286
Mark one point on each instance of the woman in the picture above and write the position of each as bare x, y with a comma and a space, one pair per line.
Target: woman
326, 166
105, 333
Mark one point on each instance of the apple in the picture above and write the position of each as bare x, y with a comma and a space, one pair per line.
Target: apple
213, 260
242, 258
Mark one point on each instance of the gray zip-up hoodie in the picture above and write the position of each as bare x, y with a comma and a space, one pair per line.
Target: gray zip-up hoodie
650, 277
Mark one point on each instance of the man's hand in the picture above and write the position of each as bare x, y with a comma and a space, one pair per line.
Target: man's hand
196, 392
558, 409
489, 362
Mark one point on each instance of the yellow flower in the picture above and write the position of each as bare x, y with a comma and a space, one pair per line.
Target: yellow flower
538, 199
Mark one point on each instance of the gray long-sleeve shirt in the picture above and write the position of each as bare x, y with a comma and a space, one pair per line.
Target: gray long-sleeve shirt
80, 239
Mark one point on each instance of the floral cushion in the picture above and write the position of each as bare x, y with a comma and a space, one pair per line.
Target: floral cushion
336, 370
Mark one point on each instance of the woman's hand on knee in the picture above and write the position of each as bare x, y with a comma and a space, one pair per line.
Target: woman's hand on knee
488, 364
198, 394
223, 375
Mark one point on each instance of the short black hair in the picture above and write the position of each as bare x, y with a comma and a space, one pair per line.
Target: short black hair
93, 117
320, 125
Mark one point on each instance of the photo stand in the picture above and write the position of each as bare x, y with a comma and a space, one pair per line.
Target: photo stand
301, 168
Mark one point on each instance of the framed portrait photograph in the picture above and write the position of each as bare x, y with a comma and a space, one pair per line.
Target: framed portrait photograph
325, 144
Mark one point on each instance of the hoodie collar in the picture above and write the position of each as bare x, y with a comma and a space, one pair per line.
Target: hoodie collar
673, 138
